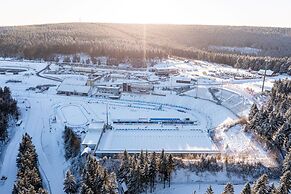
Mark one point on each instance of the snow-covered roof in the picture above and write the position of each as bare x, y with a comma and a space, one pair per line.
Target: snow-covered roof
92, 137
268, 72
124, 65
169, 139
116, 75
96, 125
108, 87
73, 88
75, 81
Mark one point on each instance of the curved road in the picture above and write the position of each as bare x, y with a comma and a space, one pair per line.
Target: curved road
48, 77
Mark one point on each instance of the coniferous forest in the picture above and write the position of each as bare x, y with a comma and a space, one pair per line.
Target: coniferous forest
72, 143
272, 121
8, 109
135, 43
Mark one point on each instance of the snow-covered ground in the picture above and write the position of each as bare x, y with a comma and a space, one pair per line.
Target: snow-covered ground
195, 188
38, 110
242, 50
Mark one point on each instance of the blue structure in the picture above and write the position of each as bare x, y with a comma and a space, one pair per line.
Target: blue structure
156, 121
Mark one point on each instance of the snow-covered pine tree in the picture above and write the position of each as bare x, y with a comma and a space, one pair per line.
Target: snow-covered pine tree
72, 143
134, 181
105, 188
28, 176
261, 186
163, 162
142, 159
3, 127
111, 183
145, 177
209, 190
170, 168
8, 107
95, 178
253, 111
141, 164
70, 185
246, 189
42, 191
228, 189
152, 171
285, 183
279, 137
86, 190
287, 162
124, 169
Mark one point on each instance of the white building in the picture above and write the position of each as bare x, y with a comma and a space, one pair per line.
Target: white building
166, 71
74, 87
93, 134
268, 72
108, 91
124, 66
138, 87
185, 80
73, 90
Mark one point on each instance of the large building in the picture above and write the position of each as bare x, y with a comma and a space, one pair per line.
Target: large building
137, 87
268, 72
174, 135
74, 87
67, 89
165, 71
108, 91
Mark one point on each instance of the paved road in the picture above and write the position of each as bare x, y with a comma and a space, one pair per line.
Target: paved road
47, 77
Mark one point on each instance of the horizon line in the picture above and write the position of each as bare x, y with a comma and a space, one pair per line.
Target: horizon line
133, 23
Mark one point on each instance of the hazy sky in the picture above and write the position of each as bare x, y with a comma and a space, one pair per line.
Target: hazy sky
216, 12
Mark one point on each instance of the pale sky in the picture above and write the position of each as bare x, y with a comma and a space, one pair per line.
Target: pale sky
213, 12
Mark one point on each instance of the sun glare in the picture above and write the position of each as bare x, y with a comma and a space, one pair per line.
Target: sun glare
145, 11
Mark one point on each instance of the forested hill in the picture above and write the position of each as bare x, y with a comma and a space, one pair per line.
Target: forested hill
221, 44
272, 122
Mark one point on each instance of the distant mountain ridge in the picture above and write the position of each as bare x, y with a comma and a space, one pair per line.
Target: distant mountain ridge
272, 41
137, 41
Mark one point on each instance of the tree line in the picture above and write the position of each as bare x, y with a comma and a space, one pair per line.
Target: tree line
8, 109
139, 43
95, 179
72, 143
262, 184
141, 172
272, 121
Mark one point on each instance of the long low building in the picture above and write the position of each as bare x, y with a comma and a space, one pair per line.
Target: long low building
172, 121
137, 87
155, 140
108, 91
68, 89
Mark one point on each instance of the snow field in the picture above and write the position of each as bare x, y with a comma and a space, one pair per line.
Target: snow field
80, 111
